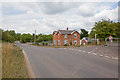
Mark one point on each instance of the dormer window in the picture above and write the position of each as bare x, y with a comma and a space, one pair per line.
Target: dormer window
65, 36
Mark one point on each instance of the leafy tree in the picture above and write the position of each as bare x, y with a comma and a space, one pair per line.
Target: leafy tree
18, 35
7, 37
25, 38
83, 33
1, 31
12, 33
42, 37
105, 28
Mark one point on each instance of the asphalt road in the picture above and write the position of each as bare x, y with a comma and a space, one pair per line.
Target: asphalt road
65, 63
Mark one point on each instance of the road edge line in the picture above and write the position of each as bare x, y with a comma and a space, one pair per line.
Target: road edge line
30, 72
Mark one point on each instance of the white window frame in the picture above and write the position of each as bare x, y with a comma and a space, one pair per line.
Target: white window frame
75, 35
54, 42
75, 41
65, 36
58, 42
65, 41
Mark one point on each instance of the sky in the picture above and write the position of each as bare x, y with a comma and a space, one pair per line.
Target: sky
45, 17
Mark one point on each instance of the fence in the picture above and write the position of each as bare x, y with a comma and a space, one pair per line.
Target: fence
113, 42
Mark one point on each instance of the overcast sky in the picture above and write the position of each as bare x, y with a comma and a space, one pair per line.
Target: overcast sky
46, 17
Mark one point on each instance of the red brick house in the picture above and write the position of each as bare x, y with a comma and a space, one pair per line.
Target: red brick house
66, 37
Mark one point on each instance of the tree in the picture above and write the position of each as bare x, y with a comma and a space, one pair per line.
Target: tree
7, 37
12, 33
25, 38
42, 37
83, 33
1, 31
18, 35
105, 28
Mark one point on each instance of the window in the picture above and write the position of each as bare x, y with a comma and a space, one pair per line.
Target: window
65, 36
54, 41
75, 42
58, 42
75, 35
65, 41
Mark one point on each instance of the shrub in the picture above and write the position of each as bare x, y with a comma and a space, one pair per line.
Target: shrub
65, 45
43, 43
70, 43
46, 43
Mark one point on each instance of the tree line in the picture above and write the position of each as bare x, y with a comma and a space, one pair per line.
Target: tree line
103, 28
11, 36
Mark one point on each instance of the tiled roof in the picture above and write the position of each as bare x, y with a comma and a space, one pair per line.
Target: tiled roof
66, 31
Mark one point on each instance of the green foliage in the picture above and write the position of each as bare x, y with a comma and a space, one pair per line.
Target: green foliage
26, 38
83, 33
43, 43
70, 42
105, 28
1, 31
18, 36
11, 36
7, 37
46, 44
65, 45
41, 38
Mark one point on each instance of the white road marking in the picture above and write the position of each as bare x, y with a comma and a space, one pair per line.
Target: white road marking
84, 51
107, 56
114, 58
89, 52
94, 53
101, 55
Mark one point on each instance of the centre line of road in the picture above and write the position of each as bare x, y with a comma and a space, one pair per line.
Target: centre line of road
114, 58
94, 53
89, 52
84, 51
107, 56
101, 55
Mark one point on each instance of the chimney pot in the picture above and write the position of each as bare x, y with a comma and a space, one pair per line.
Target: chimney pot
67, 28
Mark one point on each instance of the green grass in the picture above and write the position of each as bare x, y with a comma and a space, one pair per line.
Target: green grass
13, 62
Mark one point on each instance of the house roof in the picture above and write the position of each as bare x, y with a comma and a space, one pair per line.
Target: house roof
86, 39
64, 31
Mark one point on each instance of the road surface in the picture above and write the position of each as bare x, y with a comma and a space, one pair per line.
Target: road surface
65, 63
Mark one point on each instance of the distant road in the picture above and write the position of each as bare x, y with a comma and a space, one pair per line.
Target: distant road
65, 63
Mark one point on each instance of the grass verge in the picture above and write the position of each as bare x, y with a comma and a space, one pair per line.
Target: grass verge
13, 62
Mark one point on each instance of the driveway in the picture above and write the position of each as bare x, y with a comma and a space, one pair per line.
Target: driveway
67, 63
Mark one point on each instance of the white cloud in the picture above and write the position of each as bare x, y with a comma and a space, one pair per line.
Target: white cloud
47, 17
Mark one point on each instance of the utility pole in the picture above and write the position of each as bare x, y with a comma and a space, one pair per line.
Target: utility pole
95, 39
95, 36
35, 37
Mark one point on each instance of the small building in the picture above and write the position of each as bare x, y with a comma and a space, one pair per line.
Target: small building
66, 37
85, 41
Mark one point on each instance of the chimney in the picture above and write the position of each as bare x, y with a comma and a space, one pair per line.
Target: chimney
67, 28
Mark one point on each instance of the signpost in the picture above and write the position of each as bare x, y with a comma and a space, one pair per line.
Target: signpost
110, 38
